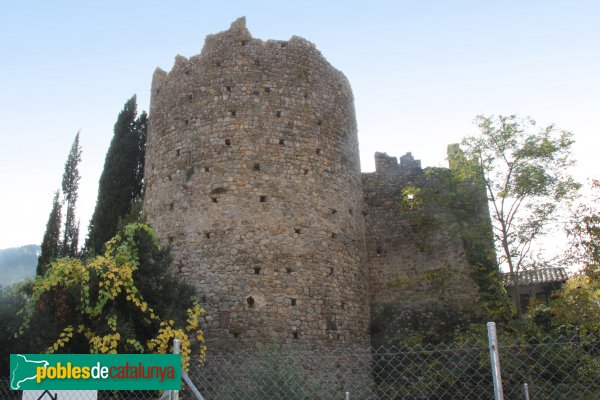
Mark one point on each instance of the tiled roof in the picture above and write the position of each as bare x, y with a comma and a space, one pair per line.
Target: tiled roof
539, 276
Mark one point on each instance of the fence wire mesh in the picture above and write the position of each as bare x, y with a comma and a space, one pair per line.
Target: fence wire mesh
554, 369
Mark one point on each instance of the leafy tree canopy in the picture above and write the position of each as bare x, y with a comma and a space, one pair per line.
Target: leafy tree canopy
526, 175
576, 307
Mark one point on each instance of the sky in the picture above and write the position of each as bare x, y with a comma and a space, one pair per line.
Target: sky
420, 71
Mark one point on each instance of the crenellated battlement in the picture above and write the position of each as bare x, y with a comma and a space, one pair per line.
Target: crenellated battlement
388, 165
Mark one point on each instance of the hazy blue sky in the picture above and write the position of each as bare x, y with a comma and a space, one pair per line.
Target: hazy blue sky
420, 70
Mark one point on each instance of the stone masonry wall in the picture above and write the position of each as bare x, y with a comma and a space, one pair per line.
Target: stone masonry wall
418, 269
253, 179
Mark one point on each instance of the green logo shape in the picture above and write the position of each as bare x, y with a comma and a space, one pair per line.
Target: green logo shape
95, 371
23, 369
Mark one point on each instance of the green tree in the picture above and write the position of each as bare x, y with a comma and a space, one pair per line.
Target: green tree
121, 182
577, 304
584, 231
526, 178
70, 185
50, 248
12, 299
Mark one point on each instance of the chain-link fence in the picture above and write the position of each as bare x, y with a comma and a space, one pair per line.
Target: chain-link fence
552, 368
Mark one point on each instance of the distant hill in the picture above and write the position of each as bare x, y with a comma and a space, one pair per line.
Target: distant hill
18, 264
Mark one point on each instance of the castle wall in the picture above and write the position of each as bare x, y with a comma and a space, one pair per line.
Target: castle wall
418, 270
253, 179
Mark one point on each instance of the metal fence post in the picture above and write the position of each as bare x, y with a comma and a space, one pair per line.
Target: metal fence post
526, 390
176, 350
495, 361
347, 397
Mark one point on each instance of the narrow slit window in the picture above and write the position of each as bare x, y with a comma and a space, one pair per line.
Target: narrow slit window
171, 206
350, 211
232, 113
333, 211
329, 323
207, 235
228, 88
331, 271
320, 122
250, 301
190, 97
177, 152
214, 199
288, 270
378, 251
170, 178
257, 167
228, 142
267, 89
318, 151
278, 114
256, 270
293, 301
295, 335
186, 122
282, 142
206, 169
333, 235
305, 171
297, 231
262, 199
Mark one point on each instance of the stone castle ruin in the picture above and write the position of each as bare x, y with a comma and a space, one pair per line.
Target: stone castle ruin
253, 178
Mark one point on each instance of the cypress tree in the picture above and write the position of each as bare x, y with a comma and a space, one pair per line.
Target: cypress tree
70, 185
121, 182
50, 247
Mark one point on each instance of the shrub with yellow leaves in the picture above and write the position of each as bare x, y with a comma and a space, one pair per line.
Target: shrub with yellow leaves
124, 301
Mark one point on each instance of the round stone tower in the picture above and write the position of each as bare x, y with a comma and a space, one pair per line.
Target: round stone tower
253, 179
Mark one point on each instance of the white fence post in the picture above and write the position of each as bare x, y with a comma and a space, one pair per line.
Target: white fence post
176, 350
526, 390
495, 361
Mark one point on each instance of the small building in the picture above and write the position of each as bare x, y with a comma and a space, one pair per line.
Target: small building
538, 284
